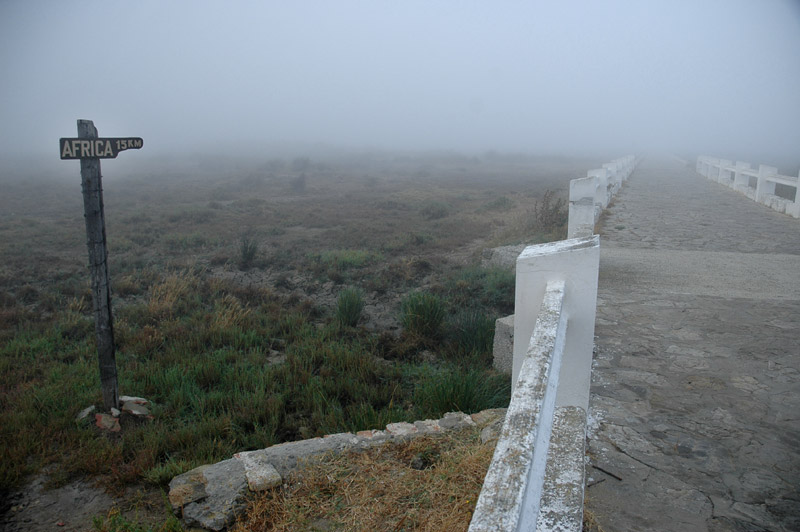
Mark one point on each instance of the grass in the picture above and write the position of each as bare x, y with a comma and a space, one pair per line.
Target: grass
349, 307
472, 334
422, 315
248, 249
430, 483
197, 348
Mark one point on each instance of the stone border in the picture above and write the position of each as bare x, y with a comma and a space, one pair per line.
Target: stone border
211, 496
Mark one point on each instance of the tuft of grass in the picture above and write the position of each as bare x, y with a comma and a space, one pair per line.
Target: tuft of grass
491, 288
349, 307
502, 203
550, 213
434, 210
248, 249
422, 314
472, 334
336, 264
460, 389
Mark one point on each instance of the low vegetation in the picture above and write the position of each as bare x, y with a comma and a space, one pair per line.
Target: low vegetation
241, 342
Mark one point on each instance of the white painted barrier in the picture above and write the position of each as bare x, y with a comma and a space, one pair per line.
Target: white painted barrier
588, 196
757, 184
535, 481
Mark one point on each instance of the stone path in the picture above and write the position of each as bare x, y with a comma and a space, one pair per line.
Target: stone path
695, 408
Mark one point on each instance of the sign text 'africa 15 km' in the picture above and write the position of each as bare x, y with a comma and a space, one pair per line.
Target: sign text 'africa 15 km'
97, 148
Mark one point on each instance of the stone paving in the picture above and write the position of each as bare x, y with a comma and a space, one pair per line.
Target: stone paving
695, 412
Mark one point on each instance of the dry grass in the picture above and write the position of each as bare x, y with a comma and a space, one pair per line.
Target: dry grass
381, 489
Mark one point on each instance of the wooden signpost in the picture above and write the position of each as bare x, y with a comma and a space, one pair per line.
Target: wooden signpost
90, 149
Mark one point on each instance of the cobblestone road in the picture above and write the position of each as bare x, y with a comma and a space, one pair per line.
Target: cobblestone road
695, 414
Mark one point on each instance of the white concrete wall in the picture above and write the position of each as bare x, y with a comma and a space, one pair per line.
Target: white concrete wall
582, 200
589, 196
512, 489
738, 176
576, 262
556, 300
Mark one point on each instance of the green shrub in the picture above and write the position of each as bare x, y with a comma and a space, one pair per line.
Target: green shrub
502, 203
550, 214
473, 333
422, 314
433, 210
248, 249
349, 307
458, 389
499, 289
489, 287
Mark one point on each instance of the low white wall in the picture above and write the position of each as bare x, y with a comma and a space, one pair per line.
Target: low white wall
556, 299
738, 177
512, 490
588, 196
576, 262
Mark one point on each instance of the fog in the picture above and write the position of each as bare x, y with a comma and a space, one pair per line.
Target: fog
714, 77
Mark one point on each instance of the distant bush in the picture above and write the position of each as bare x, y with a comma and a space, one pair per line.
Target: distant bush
349, 307
499, 204
550, 214
298, 184
301, 164
433, 210
248, 249
422, 314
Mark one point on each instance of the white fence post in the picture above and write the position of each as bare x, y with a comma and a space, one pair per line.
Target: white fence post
576, 262
764, 186
794, 209
724, 176
582, 216
602, 194
741, 180
767, 177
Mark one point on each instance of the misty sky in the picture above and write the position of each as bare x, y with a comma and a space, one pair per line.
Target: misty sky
717, 77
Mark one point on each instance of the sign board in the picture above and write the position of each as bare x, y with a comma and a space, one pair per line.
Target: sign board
109, 148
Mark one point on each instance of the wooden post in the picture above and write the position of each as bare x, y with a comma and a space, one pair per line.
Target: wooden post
92, 185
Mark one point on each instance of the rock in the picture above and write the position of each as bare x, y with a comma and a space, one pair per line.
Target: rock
456, 421
137, 409
401, 429
489, 416
107, 422
115, 412
225, 487
187, 488
84, 414
490, 422
428, 426
260, 474
133, 399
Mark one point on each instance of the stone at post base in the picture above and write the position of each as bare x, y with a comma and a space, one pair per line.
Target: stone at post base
107, 422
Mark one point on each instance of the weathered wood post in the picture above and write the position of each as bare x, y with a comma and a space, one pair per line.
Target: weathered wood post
90, 149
